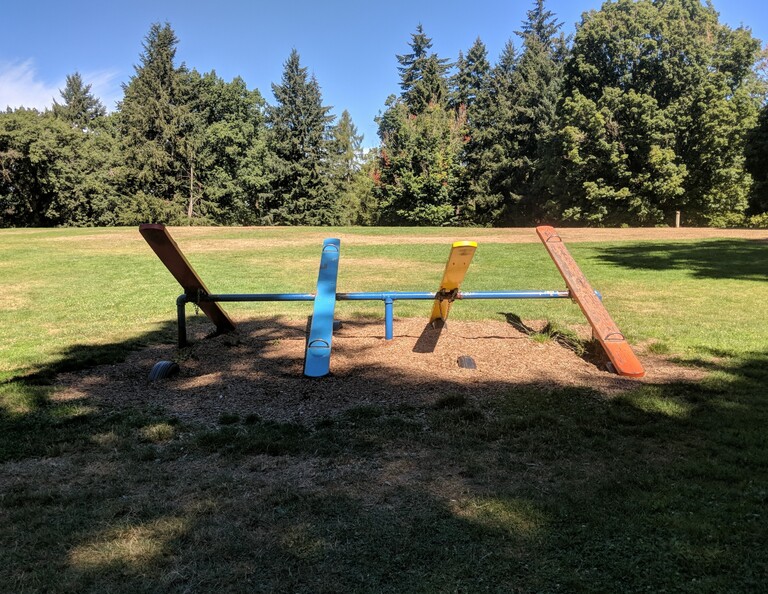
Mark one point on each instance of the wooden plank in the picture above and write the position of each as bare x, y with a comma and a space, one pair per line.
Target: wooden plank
453, 275
603, 327
161, 242
317, 358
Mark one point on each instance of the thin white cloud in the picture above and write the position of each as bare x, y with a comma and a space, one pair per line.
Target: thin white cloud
105, 86
20, 86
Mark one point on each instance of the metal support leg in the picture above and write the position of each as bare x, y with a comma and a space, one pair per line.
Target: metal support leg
389, 314
181, 319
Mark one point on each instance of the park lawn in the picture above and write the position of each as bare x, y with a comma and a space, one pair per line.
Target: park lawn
662, 488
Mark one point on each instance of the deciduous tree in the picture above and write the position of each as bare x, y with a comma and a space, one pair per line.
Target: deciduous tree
672, 69
52, 174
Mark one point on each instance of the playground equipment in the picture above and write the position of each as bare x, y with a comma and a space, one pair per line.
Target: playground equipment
319, 342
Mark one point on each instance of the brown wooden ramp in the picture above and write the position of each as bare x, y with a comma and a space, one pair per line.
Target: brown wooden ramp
603, 327
165, 247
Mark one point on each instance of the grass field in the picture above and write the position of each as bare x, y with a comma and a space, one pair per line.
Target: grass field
663, 488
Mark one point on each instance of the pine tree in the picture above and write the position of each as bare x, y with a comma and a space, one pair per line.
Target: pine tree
540, 25
412, 65
460, 83
346, 160
493, 146
539, 79
80, 108
513, 122
345, 149
418, 172
151, 133
472, 76
422, 74
474, 103
298, 141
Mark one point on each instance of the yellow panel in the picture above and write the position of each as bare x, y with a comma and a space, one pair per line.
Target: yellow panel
455, 270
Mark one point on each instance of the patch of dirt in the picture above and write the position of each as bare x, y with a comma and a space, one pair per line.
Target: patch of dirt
258, 370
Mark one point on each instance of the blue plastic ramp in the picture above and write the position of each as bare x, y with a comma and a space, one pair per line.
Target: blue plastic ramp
317, 359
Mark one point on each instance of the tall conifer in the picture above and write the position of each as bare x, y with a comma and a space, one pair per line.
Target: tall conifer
298, 142
150, 131
422, 74
80, 107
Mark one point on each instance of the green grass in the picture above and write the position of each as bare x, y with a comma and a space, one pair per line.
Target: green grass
71, 291
663, 488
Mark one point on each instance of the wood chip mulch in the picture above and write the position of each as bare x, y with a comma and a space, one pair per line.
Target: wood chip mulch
258, 370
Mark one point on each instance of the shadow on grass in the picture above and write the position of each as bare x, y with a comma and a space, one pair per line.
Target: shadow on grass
514, 487
717, 259
31, 424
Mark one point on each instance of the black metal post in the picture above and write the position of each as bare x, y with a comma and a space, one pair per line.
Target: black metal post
181, 318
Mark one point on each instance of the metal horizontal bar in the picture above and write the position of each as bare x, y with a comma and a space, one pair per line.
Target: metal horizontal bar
514, 295
259, 297
383, 296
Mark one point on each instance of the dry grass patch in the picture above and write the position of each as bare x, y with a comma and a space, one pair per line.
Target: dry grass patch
135, 546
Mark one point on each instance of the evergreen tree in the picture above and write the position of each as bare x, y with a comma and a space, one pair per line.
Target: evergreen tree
472, 76
541, 26
80, 108
419, 175
475, 101
298, 145
431, 89
418, 172
346, 159
422, 74
345, 149
460, 82
495, 144
511, 132
412, 65
151, 130
539, 79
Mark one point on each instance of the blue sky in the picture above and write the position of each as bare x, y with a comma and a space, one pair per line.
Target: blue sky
349, 46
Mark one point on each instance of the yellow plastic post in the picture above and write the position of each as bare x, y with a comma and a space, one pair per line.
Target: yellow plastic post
455, 270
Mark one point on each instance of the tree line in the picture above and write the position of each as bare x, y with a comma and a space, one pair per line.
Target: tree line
653, 106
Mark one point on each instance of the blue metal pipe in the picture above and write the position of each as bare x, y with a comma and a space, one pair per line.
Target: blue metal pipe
260, 297
389, 318
416, 295
388, 297
514, 295
383, 296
